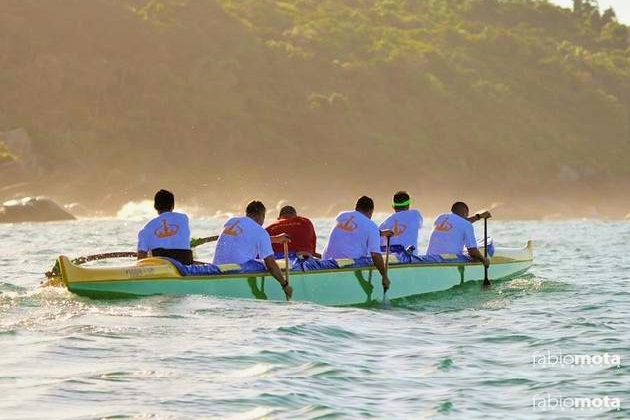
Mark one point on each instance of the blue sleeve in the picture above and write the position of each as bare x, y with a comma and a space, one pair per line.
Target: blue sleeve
142, 241
264, 245
187, 232
420, 219
374, 240
469, 236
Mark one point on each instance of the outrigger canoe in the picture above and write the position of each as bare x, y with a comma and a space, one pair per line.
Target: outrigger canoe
328, 282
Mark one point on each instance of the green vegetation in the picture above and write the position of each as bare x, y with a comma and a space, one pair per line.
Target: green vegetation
292, 93
4, 153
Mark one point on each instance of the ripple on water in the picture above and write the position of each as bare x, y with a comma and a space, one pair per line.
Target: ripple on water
314, 369
445, 364
471, 295
255, 413
8, 287
320, 331
507, 338
315, 411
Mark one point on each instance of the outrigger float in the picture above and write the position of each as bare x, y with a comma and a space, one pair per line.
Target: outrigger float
327, 282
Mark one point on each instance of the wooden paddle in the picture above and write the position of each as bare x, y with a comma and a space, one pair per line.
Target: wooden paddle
486, 280
386, 266
54, 272
195, 242
286, 262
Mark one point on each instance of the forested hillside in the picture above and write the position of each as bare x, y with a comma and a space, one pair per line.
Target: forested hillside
317, 101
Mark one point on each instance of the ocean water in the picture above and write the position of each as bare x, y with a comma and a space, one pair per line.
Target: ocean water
554, 343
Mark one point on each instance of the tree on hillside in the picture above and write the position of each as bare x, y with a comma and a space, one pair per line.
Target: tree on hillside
615, 35
588, 12
608, 16
585, 7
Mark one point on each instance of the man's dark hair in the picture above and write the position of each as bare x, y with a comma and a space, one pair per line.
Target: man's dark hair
401, 199
164, 201
364, 204
288, 211
459, 207
255, 208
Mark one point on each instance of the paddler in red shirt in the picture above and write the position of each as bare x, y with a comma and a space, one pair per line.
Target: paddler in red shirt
299, 229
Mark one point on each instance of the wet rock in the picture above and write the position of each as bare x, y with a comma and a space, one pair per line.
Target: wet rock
32, 209
79, 210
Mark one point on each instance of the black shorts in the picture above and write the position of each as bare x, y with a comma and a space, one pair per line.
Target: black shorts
184, 256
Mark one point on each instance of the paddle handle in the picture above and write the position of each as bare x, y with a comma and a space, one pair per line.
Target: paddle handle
387, 253
287, 268
387, 243
486, 280
286, 261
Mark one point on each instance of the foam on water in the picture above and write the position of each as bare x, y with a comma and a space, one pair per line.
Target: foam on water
144, 211
136, 210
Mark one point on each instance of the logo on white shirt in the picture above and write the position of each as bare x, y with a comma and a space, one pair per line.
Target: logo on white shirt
348, 225
399, 229
445, 226
167, 230
234, 229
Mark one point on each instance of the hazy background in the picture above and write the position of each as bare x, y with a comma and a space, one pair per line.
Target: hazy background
518, 104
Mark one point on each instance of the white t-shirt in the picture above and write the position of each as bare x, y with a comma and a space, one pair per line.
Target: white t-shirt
406, 225
354, 236
242, 240
169, 230
451, 233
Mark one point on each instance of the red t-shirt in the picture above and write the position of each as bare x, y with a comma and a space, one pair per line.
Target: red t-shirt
301, 231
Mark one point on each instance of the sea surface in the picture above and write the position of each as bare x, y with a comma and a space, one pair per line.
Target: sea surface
554, 343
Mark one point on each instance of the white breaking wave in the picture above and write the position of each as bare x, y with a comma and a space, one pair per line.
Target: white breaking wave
143, 210
136, 210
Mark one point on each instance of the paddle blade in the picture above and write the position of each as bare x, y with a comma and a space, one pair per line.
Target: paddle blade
486, 281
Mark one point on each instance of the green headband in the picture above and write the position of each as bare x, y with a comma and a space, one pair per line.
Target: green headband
403, 204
